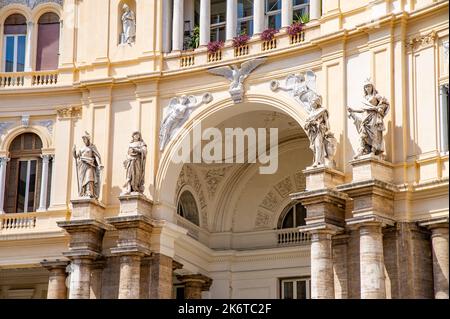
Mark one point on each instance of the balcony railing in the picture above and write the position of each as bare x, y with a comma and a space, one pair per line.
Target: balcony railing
292, 237
26, 223
17, 221
28, 79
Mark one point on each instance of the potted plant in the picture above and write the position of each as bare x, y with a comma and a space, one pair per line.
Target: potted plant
194, 40
295, 28
215, 46
268, 34
240, 40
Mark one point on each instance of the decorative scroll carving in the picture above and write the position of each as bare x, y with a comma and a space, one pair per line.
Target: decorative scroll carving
69, 112
421, 41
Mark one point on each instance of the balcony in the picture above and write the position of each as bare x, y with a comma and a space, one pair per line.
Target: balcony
12, 80
200, 58
30, 223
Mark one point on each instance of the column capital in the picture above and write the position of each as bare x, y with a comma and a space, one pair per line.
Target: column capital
196, 280
47, 157
55, 265
356, 223
434, 223
4, 160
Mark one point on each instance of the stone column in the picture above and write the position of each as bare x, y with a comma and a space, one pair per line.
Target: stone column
96, 279
80, 278
130, 271
178, 25
205, 22
286, 13
194, 285
439, 240
44, 183
3, 163
231, 19
371, 261
340, 267
322, 279
315, 9
161, 282
258, 17
29, 46
167, 25
57, 279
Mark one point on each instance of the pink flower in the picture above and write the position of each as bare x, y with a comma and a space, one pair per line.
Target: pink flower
268, 34
215, 46
295, 28
240, 40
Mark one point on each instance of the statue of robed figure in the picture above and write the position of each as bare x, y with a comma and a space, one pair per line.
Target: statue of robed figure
89, 167
135, 165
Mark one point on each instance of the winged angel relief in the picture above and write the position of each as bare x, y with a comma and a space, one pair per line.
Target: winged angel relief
322, 141
179, 111
237, 77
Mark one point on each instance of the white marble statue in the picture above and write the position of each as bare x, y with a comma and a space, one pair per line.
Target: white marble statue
369, 121
179, 110
89, 167
237, 76
135, 165
128, 26
317, 126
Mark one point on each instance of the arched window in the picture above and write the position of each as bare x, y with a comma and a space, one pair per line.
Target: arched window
48, 42
292, 217
23, 177
14, 43
187, 208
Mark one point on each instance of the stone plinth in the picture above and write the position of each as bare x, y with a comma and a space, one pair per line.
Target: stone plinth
86, 237
135, 204
371, 167
324, 207
57, 279
322, 177
194, 285
87, 209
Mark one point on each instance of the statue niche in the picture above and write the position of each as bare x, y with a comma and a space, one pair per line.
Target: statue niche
127, 23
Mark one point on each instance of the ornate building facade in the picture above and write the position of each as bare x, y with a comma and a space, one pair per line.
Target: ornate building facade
358, 204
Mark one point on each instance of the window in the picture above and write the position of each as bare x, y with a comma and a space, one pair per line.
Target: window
23, 174
444, 117
296, 288
273, 14
301, 10
14, 47
218, 20
178, 292
294, 216
245, 17
48, 42
187, 208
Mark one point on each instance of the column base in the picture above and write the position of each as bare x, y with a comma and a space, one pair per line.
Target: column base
87, 208
371, 167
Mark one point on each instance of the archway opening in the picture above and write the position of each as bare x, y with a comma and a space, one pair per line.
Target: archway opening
15, 38
48, 42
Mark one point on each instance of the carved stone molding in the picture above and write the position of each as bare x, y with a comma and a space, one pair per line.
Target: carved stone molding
48, 124
70, 112
422, 41
5, 126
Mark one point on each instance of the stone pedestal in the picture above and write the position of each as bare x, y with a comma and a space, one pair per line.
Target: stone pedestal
322, 177
194, 285
133, 243
370, 167
85, 247
87, 208
135, 204
57, 279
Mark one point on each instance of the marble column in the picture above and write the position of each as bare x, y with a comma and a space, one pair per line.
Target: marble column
315, 9
57, 279
205, 22
96, 279
231, 19
3, 164
322, 279
178, 25
44, 183
194, 285
130, 271
372, 261
258, 17
29, 46
439, 240
287, 13
80, 278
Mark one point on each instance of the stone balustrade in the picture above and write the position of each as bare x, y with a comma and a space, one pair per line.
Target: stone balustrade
25, 223
28, 79
292, 237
